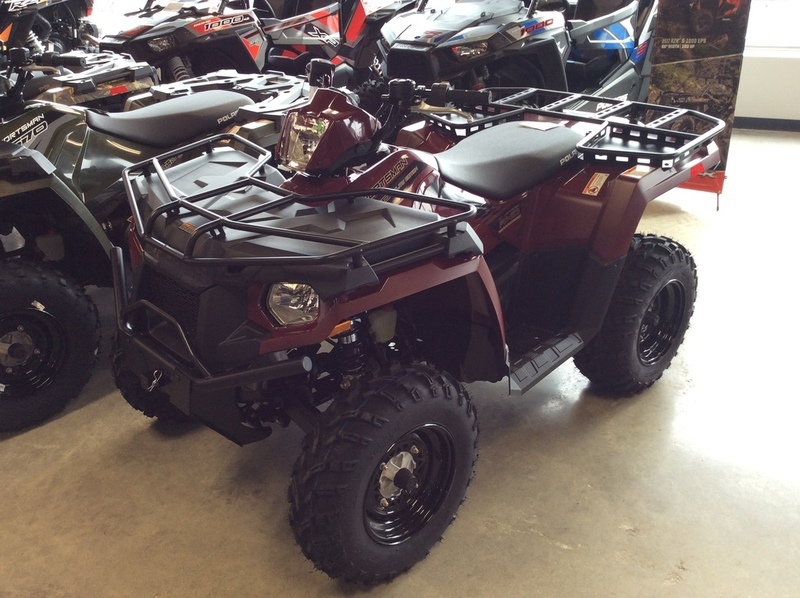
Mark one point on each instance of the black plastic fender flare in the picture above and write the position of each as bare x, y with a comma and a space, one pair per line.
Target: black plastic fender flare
24, 174
549, 60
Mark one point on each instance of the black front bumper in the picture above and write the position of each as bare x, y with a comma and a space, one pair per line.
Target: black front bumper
192, 388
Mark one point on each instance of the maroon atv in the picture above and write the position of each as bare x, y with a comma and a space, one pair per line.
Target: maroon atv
356, 297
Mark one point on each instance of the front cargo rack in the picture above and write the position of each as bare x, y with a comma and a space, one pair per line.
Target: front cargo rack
624, 132
167, 199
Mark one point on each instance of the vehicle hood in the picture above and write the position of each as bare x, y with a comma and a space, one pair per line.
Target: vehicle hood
442, 20
161, 22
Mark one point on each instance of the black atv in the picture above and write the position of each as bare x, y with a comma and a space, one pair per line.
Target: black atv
64, 25
55, 25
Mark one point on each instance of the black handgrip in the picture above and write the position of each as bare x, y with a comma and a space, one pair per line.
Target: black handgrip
442, 94
469, 97
56, 59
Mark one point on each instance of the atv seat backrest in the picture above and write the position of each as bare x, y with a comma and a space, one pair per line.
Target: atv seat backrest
507, 159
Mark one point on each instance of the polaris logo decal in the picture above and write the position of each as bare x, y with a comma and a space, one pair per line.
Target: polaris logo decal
604, 105
568, 157
27, 132
226, 118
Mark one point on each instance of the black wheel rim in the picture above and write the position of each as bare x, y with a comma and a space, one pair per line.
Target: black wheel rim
407, 513
662, 322
32, 351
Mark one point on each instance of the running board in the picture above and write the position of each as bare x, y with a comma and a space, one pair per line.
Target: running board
536, 364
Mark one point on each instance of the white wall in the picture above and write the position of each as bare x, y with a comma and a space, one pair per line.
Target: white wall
770, 81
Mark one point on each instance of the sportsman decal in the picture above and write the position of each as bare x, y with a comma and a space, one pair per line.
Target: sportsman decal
393, 172
28, 131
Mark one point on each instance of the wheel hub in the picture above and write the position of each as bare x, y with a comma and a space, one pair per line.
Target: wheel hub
661, 322
32, 351
397, 475
16, 347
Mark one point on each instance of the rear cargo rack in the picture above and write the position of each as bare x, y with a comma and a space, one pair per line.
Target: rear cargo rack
103, 68
150, 182
257, 86
632, 133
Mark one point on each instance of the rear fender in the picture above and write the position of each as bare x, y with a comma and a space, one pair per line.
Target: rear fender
545, 54
247, 54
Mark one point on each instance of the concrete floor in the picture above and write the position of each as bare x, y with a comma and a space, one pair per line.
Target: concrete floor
690, 489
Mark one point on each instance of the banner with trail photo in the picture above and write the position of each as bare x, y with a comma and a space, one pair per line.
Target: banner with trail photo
697, 61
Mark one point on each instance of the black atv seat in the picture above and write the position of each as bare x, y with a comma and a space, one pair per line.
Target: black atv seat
173, 121
506, 159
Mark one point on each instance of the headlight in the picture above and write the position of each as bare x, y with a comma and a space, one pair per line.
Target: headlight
161, 44
470, 51
293, 303
305, 133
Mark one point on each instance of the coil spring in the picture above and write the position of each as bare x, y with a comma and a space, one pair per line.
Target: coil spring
350, 354
34, 43
178, 69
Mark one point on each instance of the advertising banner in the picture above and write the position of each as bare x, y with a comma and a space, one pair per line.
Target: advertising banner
697, 60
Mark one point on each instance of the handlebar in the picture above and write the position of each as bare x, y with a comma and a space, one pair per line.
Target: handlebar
55, 59
21, 57
406, 92
405, 96
441, 94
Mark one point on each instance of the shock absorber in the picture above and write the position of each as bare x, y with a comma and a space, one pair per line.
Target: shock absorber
178, 69
350, 355
34, 44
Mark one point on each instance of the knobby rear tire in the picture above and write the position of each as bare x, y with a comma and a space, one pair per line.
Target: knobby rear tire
646, 321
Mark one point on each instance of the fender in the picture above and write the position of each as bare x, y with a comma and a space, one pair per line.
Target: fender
248, 52
33, 199
466, 300
546, 53
460, 317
